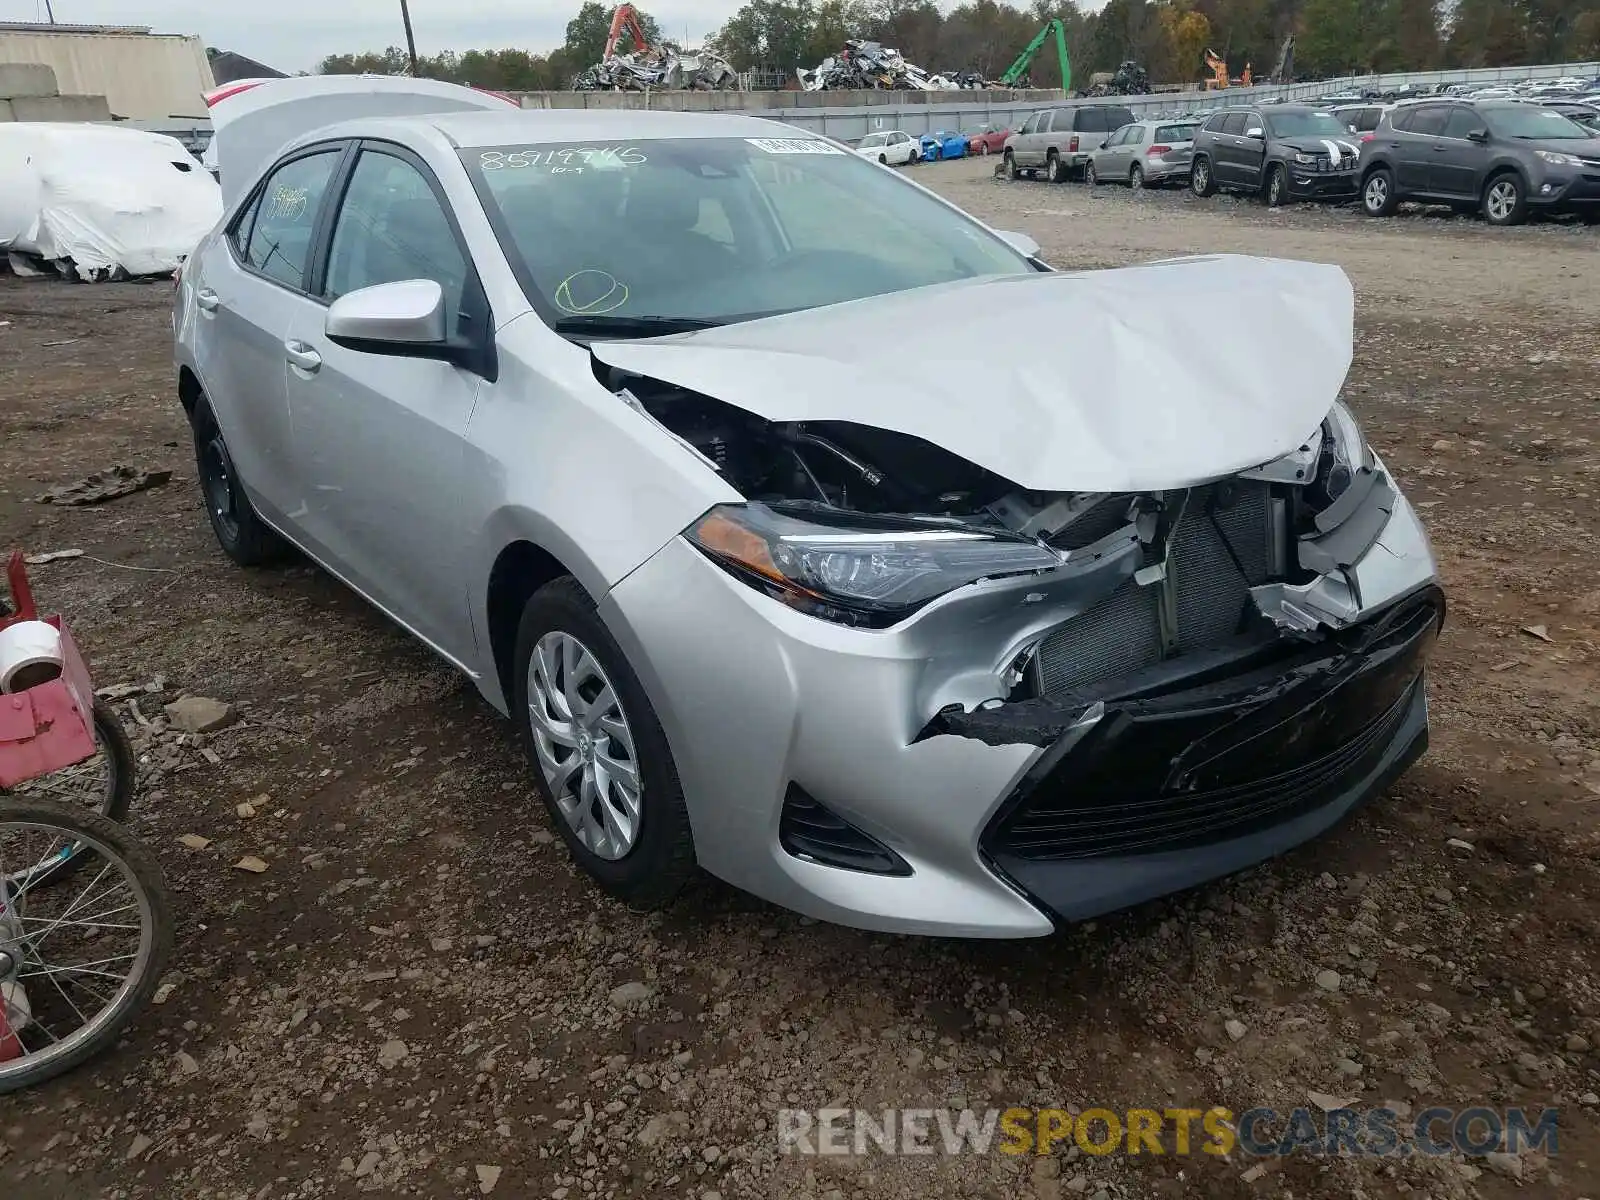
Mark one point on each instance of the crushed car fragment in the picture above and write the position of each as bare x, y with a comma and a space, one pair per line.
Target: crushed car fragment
997, 666
650, 66
866, 66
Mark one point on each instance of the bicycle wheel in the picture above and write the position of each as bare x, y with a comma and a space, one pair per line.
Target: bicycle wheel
102, 784
76, 964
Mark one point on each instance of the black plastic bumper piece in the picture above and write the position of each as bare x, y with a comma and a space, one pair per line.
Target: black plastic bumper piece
809, 830
1170, 790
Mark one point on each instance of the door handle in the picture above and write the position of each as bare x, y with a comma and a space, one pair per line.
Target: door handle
303, 356
1440, 149
207, 300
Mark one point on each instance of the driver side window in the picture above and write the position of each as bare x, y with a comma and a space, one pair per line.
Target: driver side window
391, 227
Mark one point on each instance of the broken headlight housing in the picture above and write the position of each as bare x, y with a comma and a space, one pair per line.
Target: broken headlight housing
858, 571
1344, 453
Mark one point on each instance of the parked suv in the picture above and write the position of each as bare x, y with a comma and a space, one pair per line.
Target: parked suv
1500, 156
1286, 152
1058, 141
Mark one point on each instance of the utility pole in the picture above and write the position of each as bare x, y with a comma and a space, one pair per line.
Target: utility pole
411, 39
48, 11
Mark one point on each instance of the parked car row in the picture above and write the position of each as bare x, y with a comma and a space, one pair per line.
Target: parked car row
896, 148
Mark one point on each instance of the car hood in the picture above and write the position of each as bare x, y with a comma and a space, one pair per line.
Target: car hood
1582, 147
1143, 378
1333, 147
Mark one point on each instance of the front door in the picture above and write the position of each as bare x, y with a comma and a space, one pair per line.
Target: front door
1459, 163
380, 440
1253, 152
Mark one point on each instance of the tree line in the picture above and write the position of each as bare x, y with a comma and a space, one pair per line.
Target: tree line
1169, 37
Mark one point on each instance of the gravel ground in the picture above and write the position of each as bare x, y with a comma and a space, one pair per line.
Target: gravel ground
420, 997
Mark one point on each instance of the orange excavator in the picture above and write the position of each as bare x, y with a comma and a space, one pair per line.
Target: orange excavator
1218, 66
626, 20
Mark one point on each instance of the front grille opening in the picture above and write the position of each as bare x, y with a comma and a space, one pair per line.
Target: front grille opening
810, 831
1224, 544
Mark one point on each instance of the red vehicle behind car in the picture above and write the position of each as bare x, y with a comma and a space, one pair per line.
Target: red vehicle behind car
987, 139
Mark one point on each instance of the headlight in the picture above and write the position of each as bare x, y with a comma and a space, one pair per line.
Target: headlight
1344, 452
1559, 159
858, 573
1305, 159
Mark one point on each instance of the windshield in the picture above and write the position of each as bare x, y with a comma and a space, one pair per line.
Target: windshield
1302, 124
1525, 121
719, 229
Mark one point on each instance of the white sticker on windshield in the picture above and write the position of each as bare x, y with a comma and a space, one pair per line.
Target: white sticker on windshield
794, 146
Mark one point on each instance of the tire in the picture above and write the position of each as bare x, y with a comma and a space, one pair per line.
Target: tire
659, 860
1277, 189
243, 536
1011, 165
1090, 176
134, 996
983, 149
883, 159
1136, 178
1052, 168
1505, 200
1200, 181
1378, 198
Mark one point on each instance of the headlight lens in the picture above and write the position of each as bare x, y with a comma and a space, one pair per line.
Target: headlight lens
1307, 159
857, 573
1559, 159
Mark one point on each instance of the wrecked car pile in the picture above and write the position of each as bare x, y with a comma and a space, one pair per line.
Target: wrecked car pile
867, 66
665, 66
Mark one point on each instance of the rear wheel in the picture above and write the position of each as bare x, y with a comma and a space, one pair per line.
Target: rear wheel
1011, 165
1505, 201
1200, 181
243, 536
1136, 177
1052, 168
1378, 197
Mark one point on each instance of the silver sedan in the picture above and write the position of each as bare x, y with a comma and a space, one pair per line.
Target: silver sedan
1144, 154
592, 403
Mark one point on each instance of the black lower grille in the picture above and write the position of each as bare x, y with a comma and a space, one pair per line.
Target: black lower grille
810, 831
1219, 549
1222, 759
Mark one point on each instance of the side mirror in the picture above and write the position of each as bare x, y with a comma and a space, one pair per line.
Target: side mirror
1255, 131
405, 318
1020, 242
1477, 135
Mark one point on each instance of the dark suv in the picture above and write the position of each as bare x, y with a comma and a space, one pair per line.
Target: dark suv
1501, 156
1285, 152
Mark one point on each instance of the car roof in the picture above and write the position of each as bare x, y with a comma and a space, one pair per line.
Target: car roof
468, 130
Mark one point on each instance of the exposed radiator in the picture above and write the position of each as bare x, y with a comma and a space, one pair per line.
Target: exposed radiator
1220, 548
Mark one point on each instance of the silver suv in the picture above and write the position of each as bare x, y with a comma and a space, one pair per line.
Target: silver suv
1058, 141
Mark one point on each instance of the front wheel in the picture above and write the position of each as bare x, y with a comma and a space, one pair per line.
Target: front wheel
1277, 186
1505, 201
1090, 175
983, 148
1200, 181
1378, 197
77, 964
883, 159
602, 764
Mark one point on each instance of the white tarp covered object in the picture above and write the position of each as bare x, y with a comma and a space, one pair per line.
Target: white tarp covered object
102, 198
250, 126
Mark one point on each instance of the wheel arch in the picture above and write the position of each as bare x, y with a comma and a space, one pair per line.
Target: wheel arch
189, 390
520, 568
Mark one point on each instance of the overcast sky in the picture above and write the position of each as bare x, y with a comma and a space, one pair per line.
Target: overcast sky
295, 35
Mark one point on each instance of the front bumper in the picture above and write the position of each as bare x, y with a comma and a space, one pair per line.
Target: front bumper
1566, 188
761, 703
1323, 185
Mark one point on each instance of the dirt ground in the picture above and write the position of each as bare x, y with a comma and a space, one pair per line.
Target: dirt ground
420, 988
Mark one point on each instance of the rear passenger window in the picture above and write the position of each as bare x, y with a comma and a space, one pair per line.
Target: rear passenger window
1429, 120
1092, 120
280, 238
1234, 122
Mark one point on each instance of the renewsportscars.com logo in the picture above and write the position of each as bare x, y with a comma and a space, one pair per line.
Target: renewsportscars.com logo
1263, 1132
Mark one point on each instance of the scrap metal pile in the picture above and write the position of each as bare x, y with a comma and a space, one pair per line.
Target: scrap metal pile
648, 66
866, 66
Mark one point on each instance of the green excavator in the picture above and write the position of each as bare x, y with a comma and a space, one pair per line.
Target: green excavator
1019, 69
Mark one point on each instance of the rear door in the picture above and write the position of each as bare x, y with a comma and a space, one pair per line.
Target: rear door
1421, 143
1228, 159
251, 289
381, 440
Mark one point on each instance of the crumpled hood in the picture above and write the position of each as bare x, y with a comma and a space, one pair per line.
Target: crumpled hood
1143, 378
1333, 147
